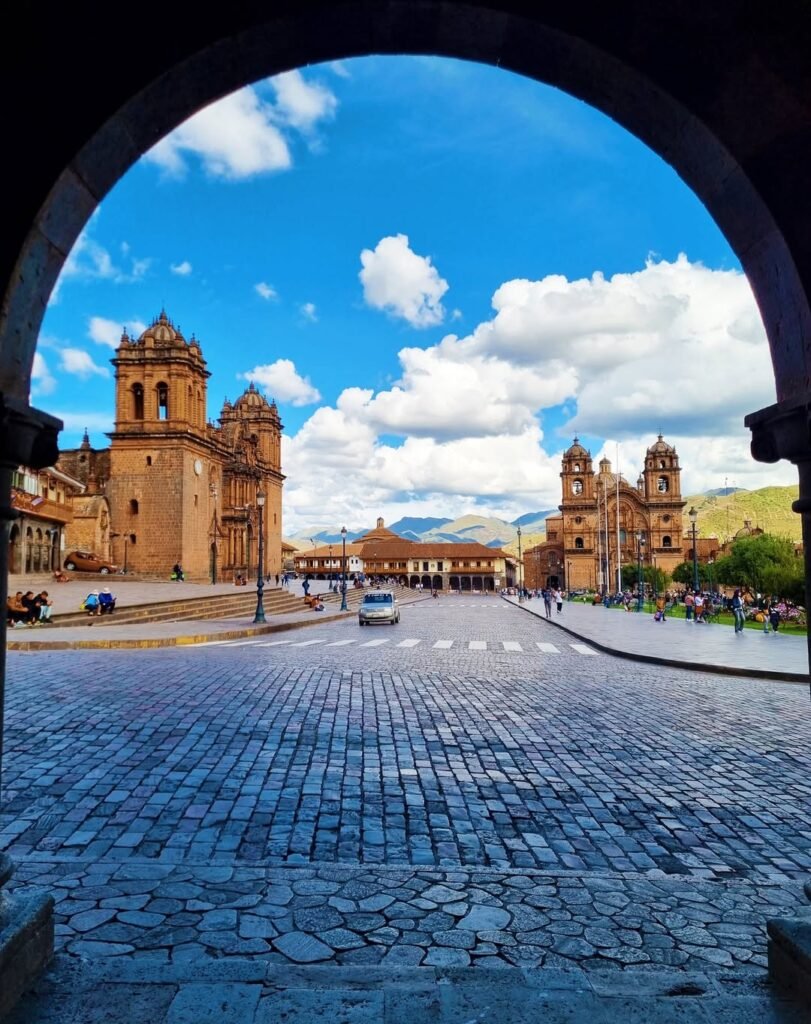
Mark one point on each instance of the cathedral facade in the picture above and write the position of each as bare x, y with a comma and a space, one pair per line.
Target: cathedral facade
180, 488
605, 522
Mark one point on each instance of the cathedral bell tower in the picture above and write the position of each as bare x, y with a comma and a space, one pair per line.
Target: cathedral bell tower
160, 454
662, 475
577, 475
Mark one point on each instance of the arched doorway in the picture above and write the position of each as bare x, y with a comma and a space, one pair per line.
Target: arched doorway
437, 583
413, 581
14, 550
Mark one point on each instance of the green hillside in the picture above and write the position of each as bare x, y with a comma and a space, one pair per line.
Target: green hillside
769, 508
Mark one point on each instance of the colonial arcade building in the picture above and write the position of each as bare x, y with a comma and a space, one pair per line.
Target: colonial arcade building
605, 522
181, 489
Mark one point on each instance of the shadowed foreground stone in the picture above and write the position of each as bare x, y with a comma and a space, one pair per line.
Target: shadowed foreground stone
790, 955
26, 944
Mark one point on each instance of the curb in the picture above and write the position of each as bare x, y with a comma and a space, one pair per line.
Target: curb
169, 641
655, 659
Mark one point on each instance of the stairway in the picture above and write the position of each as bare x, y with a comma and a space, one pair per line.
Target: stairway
276, 601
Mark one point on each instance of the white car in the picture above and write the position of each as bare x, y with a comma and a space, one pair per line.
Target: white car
378, 606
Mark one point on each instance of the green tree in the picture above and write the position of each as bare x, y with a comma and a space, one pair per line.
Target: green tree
683, 573
764, 563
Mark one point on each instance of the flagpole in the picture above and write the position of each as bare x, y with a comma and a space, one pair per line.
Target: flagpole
619, 555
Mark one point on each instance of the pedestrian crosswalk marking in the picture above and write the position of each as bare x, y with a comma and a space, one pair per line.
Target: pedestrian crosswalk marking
582, 649
408, 644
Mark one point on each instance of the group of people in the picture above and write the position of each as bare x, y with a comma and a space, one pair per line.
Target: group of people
99, 602
28, 609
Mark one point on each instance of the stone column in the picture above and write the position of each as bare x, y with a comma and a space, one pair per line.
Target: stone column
27, 438
783, 431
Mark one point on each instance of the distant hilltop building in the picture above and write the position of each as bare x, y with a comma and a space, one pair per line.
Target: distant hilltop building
174, 487
586, 542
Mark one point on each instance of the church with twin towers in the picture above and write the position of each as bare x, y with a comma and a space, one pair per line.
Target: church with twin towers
173, 486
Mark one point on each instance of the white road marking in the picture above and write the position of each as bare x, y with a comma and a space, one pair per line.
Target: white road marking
582, 649
309, 643
276, 643
477, 645
511, 645
409, 643
443, 645
374, 643
340, 643
547, 648
244, 643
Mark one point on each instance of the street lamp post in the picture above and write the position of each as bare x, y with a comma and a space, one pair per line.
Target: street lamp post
693, 514
520, 574
344, 607
640, 540
213, 493
330, 563
260, 575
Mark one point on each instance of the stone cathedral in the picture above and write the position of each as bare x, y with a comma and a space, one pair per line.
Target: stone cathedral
179, 488
605, 521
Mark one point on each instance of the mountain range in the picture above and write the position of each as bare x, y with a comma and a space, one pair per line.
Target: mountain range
721, 512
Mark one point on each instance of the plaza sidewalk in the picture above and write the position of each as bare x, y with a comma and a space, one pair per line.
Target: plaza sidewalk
677, 642
68, 596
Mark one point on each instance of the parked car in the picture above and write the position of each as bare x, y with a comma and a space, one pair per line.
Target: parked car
86, 561
378, 606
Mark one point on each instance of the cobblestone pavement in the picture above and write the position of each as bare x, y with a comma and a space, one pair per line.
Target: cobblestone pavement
444, 806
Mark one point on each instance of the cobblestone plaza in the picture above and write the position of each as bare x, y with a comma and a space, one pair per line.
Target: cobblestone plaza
469, 788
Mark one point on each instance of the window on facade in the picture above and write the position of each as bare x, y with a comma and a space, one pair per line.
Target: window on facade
662, 484
578, 542
667, 542
133, 507
195, 501
137, 402
661, 463
149, 460
440, 566
577, 487
623, 536
132, 538
425, 567
163, 401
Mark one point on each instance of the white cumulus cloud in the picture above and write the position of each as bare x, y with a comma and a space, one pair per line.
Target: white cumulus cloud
108, 332
80, 363
235, 138
181, 269
282, 381
42, 381
406, 285
265, 291
300, 103
309, 312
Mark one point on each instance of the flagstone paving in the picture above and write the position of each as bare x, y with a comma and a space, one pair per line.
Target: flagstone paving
402, 808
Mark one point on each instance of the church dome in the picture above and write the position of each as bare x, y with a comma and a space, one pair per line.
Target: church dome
162, 333
577, 451
661, 447
251, 399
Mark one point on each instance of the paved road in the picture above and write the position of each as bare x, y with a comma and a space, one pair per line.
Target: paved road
472, 787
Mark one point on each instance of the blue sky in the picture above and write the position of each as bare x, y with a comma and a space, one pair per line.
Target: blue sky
440, 271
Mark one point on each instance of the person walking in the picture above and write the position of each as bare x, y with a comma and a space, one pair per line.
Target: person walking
661, 606
559, 600
774, 616
698, 606
737, 611
688, 605
547, 601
